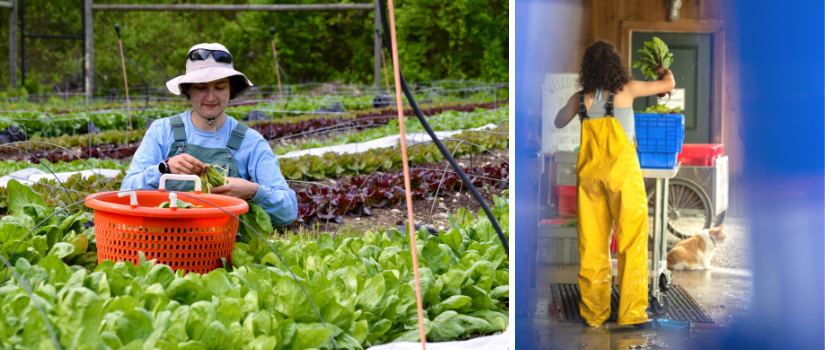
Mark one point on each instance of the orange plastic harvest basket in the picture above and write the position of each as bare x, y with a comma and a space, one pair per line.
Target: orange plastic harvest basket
194, 240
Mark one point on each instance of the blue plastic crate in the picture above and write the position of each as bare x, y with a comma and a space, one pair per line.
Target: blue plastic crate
659, 139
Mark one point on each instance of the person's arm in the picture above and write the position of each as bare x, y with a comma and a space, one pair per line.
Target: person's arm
273, 195
568, 112
650, 88
143, 173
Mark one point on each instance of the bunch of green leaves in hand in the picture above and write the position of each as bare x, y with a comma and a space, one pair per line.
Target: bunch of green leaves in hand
212, 177
655, 55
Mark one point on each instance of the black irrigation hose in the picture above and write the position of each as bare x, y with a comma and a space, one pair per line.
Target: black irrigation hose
383, 6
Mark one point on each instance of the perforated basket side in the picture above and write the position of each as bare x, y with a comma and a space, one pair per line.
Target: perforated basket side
558, 251
557, 245
566, 174
194, 245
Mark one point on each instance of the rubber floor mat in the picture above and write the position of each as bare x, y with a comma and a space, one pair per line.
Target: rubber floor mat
682, 306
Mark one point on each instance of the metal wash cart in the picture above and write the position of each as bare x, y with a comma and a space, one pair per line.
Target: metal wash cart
660, 276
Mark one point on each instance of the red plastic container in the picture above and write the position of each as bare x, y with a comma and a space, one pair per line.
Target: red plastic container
567, 200
700, 154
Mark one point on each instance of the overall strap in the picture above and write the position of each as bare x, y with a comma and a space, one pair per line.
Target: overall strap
582, 108
608, 106
237, 136
177, 128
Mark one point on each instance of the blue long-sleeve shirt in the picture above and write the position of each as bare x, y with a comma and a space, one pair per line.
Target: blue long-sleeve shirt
255, 159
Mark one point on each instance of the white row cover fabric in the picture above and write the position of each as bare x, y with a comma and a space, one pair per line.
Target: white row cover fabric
499, 341
387, 141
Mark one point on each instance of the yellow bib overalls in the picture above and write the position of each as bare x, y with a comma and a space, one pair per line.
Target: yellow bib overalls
610, 188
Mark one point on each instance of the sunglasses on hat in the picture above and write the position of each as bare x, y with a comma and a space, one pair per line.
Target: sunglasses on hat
202, 54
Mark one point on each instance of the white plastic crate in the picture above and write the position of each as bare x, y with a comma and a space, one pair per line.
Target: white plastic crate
566, 168
557, 245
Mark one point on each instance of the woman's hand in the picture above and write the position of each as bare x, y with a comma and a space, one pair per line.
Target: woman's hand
662, 72
237, 187
185, 164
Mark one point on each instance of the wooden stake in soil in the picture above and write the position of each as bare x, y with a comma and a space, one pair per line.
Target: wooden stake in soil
277, 72
407, 187
125, 82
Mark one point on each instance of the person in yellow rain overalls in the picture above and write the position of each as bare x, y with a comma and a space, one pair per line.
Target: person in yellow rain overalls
610, 187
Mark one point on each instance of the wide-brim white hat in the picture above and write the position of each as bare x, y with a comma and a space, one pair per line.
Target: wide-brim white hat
210, 70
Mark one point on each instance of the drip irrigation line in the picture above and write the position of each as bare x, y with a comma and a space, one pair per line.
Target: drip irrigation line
383, 7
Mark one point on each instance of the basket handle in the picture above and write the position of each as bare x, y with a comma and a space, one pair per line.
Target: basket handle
132, 198
180, 177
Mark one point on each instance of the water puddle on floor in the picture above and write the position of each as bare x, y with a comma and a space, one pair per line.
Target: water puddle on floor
613, 337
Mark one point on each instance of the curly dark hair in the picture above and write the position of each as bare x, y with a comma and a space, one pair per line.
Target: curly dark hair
603, 68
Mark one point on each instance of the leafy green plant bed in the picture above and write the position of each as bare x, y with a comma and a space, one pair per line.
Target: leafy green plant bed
361, 287
334, 165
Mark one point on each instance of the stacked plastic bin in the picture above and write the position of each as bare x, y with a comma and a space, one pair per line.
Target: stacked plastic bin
566, 182
700, 154
659, 139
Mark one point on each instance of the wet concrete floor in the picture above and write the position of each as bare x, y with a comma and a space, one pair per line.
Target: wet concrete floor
723, 293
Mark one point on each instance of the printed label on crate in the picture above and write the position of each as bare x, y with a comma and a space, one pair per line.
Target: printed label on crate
556, 91
677, 99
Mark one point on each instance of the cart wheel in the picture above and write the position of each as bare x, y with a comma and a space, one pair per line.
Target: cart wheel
665, 280
658, 307
688, 205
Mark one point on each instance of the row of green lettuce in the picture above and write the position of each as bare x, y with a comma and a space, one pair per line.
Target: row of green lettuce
311, 167
363, 289
115, 130
302, 100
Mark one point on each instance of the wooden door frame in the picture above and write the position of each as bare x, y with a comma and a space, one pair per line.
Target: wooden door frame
716, 29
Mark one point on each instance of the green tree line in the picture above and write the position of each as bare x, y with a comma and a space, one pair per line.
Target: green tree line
438, 39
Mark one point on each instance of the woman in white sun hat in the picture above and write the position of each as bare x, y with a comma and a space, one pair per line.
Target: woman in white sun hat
183, 143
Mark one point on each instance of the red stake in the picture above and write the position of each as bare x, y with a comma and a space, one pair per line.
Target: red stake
407, 187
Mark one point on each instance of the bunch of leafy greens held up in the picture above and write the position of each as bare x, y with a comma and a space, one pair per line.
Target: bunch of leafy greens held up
655, 55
